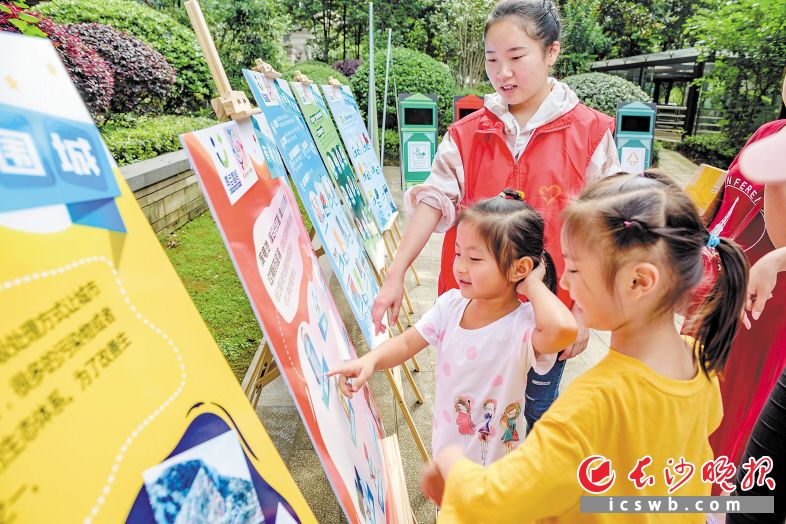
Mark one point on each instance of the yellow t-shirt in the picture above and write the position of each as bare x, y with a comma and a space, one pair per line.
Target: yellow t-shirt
620, 409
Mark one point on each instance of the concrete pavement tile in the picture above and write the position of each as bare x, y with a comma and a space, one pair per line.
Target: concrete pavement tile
278, 423
310, 478
276, 394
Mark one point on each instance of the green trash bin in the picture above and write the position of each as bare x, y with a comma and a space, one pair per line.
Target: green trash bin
635, 135
417, 125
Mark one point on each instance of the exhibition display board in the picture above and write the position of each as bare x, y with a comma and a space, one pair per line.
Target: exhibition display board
339, 238
364, 159
117, 403
317, 117
272, 252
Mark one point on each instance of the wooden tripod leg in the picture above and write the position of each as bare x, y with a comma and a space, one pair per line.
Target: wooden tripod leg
408, 310
389, 250
400, 326
257, 372
411, 380
395, 243
415, 274
413, 359
409, 305
264, 373
408, 416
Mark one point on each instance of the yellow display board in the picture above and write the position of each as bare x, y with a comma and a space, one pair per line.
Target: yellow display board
704, 185
115, 402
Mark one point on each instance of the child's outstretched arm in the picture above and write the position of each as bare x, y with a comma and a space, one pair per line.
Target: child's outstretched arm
555, 325
391, 353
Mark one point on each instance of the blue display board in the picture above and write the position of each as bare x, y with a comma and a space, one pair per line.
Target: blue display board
362, 155
340, 240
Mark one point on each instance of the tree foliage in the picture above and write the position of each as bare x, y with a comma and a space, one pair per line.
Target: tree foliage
461, 38
244, 31
636, 27
582, 37
632, 26
414, 72
747, 39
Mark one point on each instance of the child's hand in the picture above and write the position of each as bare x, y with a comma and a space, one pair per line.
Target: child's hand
359, 371
432, 483
535, 277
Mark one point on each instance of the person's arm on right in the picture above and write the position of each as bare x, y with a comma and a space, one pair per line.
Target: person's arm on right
762, 280
774, 218
433, 206
422, 224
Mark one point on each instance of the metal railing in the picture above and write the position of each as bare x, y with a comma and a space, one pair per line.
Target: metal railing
670, 122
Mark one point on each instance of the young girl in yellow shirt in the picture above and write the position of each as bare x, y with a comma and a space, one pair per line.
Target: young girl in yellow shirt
632, 246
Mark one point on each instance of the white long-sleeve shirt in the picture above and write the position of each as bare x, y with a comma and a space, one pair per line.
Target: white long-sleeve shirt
444, 188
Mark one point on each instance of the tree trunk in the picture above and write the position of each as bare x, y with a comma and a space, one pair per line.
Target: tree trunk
344, 31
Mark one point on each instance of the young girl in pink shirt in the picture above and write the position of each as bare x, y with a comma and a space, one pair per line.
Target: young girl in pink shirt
486, 339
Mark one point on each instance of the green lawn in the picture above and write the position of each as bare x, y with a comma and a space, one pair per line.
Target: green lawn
205, 268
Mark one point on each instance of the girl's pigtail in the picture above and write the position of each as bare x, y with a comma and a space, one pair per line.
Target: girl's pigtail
550, 278
719, 316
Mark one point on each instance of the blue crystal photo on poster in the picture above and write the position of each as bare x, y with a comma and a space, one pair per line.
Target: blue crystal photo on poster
209, 483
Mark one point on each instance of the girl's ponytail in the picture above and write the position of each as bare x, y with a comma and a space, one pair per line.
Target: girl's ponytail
550, 278
718, 319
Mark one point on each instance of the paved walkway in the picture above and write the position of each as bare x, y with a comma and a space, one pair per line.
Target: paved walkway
676, 166
282, 422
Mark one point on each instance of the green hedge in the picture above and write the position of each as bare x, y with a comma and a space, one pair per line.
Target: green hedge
602, 92
479, 90
178, 44
714, 149
392, 144
319, 72
415, 72
132, 139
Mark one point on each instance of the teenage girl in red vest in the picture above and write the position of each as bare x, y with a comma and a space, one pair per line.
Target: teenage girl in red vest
532, 135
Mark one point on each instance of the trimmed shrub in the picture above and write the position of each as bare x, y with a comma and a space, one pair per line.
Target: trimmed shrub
480, 90
347, 67
143, 78
131, 139
602, 92
392, 146
89, 72
415, 72
657, 149
193, 85
317, 71
714, 149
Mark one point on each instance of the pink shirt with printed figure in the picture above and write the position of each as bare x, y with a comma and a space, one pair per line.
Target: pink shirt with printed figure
481, 375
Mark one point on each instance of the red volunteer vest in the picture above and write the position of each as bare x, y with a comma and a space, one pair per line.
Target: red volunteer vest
550, 171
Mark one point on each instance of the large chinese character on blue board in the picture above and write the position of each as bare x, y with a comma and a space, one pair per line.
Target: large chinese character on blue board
50, 151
